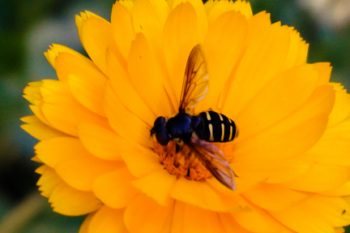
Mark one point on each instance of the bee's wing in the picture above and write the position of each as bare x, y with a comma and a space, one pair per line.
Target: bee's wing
214, 160
195, 85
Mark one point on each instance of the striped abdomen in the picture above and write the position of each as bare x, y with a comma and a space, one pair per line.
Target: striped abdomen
215, 127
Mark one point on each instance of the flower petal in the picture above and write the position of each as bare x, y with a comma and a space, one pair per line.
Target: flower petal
202, 195
180, 36
66, 155
100, 141
157, 185
96, 36
143, 215
107, 220
224, 58
147, 78
298, 132
38, 129
191, 219
269, 49
64, 199
57, 102
55, 49
114, 188
321, 212
216, 8
125, 123
122, 27
124, 92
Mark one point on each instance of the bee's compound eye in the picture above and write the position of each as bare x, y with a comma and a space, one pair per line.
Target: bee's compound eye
160, 130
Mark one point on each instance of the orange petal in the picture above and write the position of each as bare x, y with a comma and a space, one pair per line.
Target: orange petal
143, 215
322, 214
180, 36
277, 100
64, 199
146, 76
269, 49
66, 155
202, 195
100, 141
122, 27
191, 219
155, 12
114, 188
124, 91
57, 102
157, 185
55, 49
298, 132
107, 220
38, 129
96, 36
125, 123
223, 59
274, 197
217, 8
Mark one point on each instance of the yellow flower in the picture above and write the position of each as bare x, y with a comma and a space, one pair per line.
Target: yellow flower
93, 124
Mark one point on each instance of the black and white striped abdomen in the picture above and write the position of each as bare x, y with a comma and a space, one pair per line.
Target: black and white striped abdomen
215, 127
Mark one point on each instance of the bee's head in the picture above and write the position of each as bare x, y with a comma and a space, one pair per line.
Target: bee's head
160, 130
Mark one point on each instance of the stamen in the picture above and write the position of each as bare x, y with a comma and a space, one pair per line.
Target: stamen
183, 163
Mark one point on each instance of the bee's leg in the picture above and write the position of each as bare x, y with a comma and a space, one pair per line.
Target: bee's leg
178, 144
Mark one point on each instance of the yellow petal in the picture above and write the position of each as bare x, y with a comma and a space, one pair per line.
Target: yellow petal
57, 102
107, 220
341, 110
223, 59
277, 100
55, 49
191, 219
86, 82
84, 227
180, 36
230, 225
122, 27
321, 178
33, 95
100, 141
322, 213
216, 8
140, 161
254, 220
96, 36
298, 132
38, 129
269, 49
201, 15
125, 123
202, 195
274, 197
114, 188
148, 18
64, 199
146, 76
124, 91
143, 215
157, 185
66, 155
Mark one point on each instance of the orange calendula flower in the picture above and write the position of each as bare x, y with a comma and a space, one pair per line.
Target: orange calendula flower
290, 161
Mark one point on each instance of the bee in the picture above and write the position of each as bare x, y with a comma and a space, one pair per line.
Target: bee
198, 131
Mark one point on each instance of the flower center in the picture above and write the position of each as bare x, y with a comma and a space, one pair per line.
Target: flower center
181, 162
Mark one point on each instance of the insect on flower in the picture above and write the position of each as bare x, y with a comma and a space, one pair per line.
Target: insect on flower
197, 131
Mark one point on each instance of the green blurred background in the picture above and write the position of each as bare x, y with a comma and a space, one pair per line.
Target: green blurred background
26, 30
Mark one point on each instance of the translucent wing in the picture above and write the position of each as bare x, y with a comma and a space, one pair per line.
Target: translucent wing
195, 85
213, 159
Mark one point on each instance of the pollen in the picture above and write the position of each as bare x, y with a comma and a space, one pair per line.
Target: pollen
181, 162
